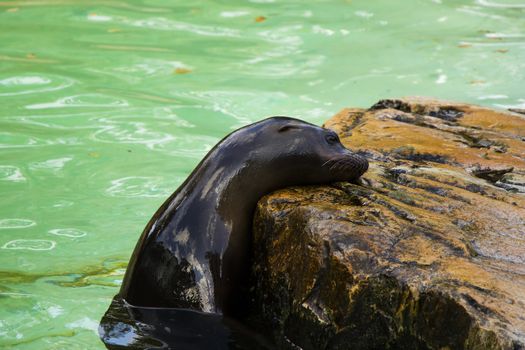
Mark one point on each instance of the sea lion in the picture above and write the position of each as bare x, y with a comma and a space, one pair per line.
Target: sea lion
195, 251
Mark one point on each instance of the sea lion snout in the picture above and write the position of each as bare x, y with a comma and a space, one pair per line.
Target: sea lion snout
341, 163
346, 166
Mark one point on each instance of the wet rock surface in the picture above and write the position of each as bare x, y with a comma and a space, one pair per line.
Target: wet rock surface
426, 252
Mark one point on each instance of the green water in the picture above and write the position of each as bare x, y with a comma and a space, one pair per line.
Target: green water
106, 106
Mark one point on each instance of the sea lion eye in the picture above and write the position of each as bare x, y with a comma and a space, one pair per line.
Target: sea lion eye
331, 138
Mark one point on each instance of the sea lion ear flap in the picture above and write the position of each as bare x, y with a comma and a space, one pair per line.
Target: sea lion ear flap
287, 127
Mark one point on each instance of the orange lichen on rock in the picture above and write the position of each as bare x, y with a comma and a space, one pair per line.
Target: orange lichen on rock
426, 252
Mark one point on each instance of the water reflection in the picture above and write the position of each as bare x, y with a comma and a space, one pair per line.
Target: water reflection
16, 223
486, 3
30, 244
32, 84
138, 186
130, 327
127, 131
153, 67
163, 23
11, 173
51, 164
84, 100
472, 10
68, 232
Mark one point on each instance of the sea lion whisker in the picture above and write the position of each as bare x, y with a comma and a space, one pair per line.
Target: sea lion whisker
331, 168
326, 162
342, 164
337, 164
334, 163
331, 160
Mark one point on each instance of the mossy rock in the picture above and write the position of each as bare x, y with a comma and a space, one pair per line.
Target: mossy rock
426, 252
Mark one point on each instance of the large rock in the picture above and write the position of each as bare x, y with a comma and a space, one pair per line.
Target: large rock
427, 252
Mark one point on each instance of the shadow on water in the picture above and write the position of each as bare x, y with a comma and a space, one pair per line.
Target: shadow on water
130, 327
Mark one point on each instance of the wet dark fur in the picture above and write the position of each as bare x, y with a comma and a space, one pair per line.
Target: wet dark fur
195, 251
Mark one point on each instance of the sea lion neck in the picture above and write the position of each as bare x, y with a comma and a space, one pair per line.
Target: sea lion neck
229, 189
216, 211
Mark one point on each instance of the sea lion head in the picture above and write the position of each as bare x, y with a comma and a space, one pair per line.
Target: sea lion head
302, 153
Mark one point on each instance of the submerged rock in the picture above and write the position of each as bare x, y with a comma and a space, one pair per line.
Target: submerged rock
427, 252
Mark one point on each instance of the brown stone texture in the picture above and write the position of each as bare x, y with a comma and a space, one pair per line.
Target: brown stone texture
427, 251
